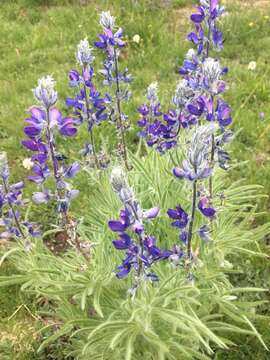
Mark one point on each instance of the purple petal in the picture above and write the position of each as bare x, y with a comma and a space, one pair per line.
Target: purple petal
151, 213
38, 113
173, 214
72, 170
179, 173
116, 226
197, 18
30, 145
31, 131
68, 131
123, 243
213, 5
41, 197
55, 116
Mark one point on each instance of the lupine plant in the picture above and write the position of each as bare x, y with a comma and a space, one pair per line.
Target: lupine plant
43, 125
142, 253
110, 42
88, 104
11, 203
106, 308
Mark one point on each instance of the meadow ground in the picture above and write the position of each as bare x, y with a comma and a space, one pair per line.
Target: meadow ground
39, 37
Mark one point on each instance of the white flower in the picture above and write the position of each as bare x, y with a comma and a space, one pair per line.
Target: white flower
118, 179
106, 20
205, 3
252, 65
4, 171
183, 93
211, 69
152, 92
136, 38
191, 54
84, 53
45, 92
27, 163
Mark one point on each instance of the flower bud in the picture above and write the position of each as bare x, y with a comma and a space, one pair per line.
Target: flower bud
191, 54
118, 179
4, 170
211, 69
106, 20
45, 92
182, 94
152, 92
84, 54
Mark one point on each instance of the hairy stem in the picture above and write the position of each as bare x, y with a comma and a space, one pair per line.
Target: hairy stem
120, 121
190, 229
140, 268
90, 129
57, 175
212, 155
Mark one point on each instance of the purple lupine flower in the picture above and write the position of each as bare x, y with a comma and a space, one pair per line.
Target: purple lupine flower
157, 133
197, 165
45, 92
204, 75
11, 204
181, 220
205, 207
143, 252
88, 104
205, 20
110, 42
43, 124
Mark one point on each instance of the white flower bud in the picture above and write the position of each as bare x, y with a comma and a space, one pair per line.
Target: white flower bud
118, 179
191, 54
183, 93
152, 92
4, 170
45, 92
84, 53
211, 69
106, 20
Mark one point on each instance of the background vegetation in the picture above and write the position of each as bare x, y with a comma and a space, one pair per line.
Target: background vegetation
39, 37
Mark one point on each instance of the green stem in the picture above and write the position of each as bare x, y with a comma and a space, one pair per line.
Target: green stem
57, 175
190, 229
120, 122
89, 123
212, 155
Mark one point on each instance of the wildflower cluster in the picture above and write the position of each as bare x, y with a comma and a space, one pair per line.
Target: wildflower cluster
198, 99
197, 108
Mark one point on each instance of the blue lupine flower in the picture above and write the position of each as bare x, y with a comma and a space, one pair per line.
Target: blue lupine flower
42, 126
196, 165
205, 207
181, 220
45, 92
11, 203
110, 42
142, 252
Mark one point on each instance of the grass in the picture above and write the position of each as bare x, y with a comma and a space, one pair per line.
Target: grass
39, 37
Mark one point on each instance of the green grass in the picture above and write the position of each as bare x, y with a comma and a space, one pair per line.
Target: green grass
39, 37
